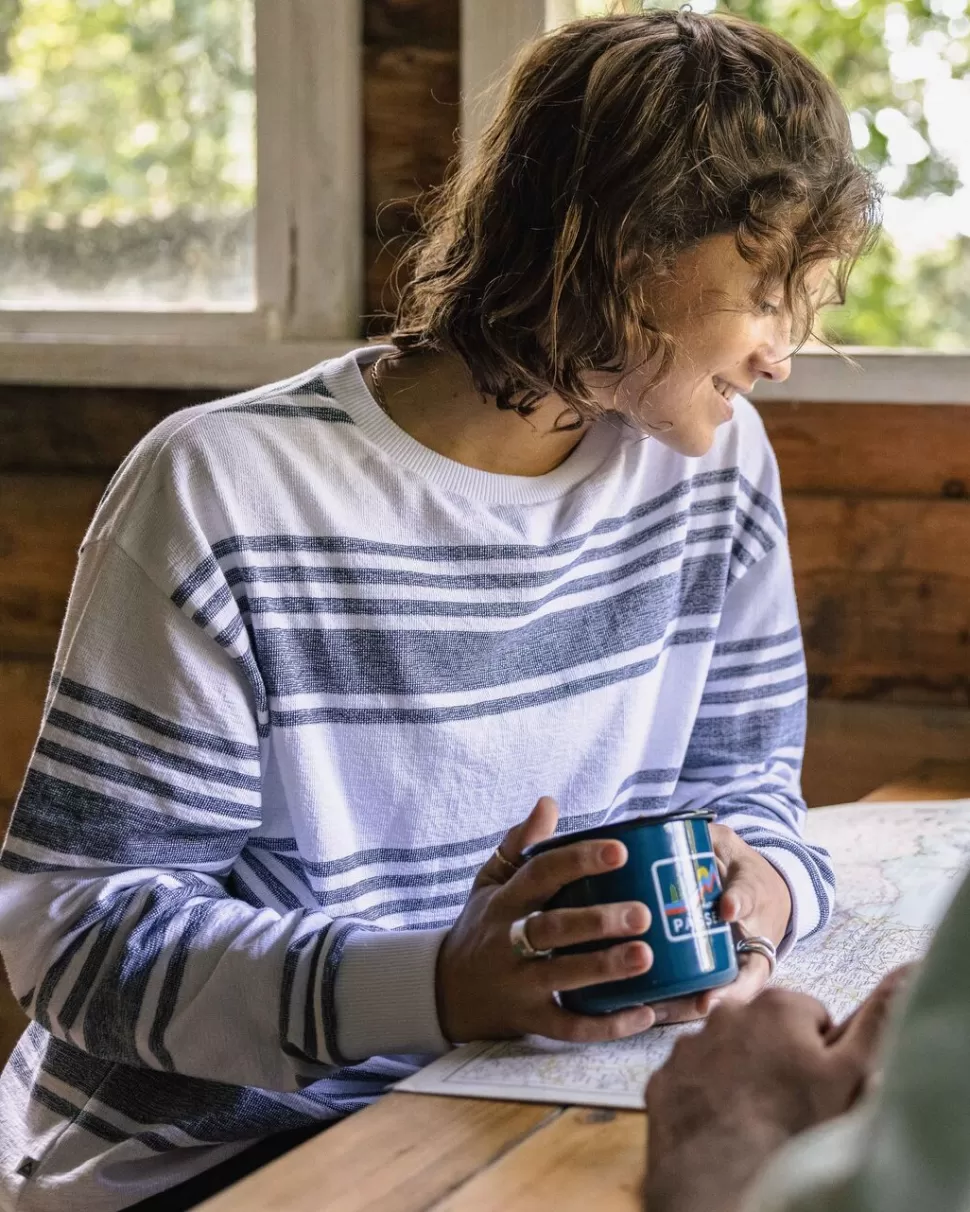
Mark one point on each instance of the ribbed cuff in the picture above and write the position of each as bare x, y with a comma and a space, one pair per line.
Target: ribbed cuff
384, 994
804, 901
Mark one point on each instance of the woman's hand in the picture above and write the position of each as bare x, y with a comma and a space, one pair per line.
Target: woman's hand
486, 991
756, 900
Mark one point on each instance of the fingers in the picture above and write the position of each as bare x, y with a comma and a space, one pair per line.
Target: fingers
680, 1010
537, 826
753, 973
593, 1029
569, 927
595, 967
542, 877
862, 1031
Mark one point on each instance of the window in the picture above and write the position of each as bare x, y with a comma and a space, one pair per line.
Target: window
129, 167
180, 171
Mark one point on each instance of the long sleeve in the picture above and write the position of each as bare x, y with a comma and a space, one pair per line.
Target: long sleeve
906, 1149
744, 758
124, 928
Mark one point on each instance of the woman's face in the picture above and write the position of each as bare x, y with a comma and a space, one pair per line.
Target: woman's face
725, 339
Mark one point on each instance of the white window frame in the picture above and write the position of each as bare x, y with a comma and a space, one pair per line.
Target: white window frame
310, 256
492, 33
309, 236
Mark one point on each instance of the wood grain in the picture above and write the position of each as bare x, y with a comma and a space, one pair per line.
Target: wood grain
23, 688
410, 118
871, 449
81, 429
931, 780
884, 592
401, 1155
855, 747
42, 522
428, 23
12, 1020
585, 1159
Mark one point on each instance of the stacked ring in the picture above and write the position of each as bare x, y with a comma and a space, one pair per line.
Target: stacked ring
519, 939
759, 945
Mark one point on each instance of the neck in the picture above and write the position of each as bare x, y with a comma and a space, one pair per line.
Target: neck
432, 398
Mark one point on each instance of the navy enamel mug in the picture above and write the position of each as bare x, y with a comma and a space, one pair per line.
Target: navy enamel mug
672, 870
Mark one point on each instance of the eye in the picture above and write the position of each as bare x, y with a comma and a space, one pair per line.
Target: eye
766, 308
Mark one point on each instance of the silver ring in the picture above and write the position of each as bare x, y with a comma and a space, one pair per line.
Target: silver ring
519, 939
759, 945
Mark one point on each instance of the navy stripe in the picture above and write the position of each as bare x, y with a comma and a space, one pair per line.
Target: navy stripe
751, 694
206, 569
111, 1019
775, 816
751, 527
378, 883
104, 908
334, 955
645, 805
724, 672
291, 961
309, 1002
75, 1068
77, 1117
149, 753
765, 503
334, 416
148, 719
213, 605
284, 896
669, 774
498, 609
411, 854
168, 792
280, 543
812, 857
531, 579
745, 738
420, 662
168, 998
60, 816
104, 939
757, 645
471, 711
208, 1111
28, 866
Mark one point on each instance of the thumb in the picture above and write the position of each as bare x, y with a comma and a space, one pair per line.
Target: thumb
861, 1033
537, 826
739, 898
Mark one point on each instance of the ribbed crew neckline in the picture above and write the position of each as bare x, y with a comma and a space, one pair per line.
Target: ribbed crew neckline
344, 377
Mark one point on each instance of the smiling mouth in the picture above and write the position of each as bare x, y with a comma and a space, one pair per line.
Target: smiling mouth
725, 389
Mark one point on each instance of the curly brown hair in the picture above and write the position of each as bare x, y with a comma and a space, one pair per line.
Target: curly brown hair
620, 143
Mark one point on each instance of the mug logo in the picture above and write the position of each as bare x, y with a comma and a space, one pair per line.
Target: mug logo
688, 888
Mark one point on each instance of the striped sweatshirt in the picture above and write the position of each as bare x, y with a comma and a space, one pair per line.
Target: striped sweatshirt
310, 673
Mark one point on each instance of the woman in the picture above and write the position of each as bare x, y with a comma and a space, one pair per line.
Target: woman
330, 640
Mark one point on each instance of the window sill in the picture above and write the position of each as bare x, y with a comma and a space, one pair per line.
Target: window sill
883, 376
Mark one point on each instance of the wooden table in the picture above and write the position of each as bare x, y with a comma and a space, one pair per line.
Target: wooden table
418, 1153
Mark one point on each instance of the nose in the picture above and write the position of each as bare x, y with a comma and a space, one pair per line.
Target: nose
767, 365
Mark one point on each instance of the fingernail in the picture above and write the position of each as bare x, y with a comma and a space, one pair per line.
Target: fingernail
633, 956
660, 1015
631, 919
613, 854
